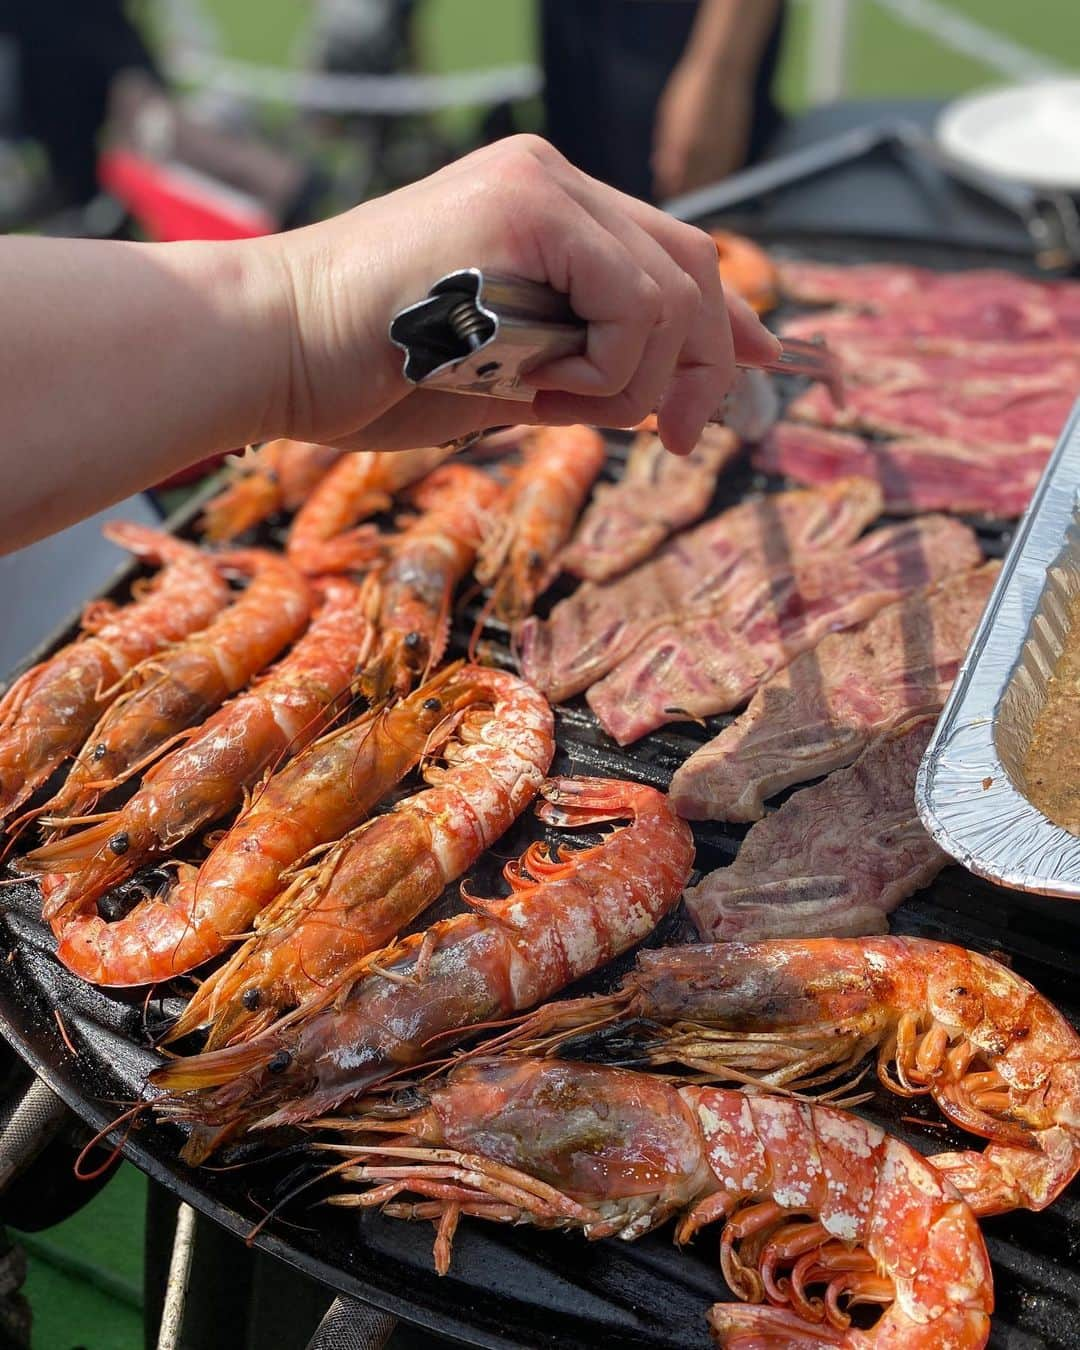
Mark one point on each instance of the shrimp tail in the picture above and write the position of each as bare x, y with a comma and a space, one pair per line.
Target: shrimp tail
570, 802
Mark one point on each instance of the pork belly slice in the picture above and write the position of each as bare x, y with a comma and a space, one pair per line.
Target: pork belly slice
928, 363
915, 473
1026, 413
1019, 316
881, 287
696, 666
658, 494
592, 629
824, 709
834, 860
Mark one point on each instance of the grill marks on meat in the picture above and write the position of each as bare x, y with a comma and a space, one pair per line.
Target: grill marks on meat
593, 629
915, 473
834, 860
824, 709
658, 494
1025, 413
692, 666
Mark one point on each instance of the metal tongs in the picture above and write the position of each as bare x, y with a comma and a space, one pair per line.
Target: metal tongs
481, 333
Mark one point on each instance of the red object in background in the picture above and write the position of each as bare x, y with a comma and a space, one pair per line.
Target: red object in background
172, 201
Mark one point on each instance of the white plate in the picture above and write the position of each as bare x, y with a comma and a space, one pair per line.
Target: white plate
1028, 132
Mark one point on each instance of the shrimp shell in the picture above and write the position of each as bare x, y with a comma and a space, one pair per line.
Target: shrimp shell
373, 882
279, 476
359, 485
520, 556
47, 713
809, 1196
998, 1059
207, 775
180, 687
584, 909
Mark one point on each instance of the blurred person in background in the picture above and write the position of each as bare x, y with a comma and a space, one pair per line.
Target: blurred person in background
658, 97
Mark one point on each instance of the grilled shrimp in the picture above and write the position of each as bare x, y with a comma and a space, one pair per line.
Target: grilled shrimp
207, 776
47, 713
747, 269
821, 1212
519, 557
583, 909
326, 789
996, 1057
278, 476
427, 561
373, 882
359, 485
180, 687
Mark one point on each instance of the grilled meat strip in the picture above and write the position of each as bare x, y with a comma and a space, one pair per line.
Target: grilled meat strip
588, 633
691, 667
657, 494
915, 473
824, 709
834, 860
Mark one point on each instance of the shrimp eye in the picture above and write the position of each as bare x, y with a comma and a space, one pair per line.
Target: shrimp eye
280, 1062
413, 640
432, 705
535, 559
100, 750
119, 843
250, 999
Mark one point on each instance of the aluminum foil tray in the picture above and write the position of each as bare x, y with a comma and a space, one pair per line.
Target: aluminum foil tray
971, 791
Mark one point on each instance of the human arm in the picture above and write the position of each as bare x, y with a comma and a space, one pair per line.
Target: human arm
703, 121
121, 363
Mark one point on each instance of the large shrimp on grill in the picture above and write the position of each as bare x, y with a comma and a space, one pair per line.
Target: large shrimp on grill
358, 896
180, 687
208, 775
426, 562
330, 786
822, 1213
581, 910
279, 476
519, 557
361, 484
995, 1056
48, 712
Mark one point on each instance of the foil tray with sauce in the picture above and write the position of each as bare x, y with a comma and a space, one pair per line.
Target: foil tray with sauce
972, 793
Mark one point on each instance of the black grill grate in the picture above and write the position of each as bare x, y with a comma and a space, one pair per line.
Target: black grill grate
519, 1287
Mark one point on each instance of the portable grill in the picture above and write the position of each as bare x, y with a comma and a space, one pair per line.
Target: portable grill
519, 1287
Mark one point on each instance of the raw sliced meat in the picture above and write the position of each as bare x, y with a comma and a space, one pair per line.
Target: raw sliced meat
1015, 317
917, 474
908, 363
694, 666
834, 860
824, 709
891, 286
658, 494
588, 633
1026, 413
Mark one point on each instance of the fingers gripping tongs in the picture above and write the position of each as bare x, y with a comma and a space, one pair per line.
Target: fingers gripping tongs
479, 333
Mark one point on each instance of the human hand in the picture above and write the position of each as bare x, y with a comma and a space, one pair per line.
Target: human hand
660, 334
702, 127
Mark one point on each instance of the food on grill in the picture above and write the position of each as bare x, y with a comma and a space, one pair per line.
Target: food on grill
1016, 319
519, 557
210, 771
47, 713
834, 860
1051, 770
591, 631
328, 788
179, 687
887, 286
416, 587
822, 711
998, 1059
914, 474
279, 476
746, 269
1025, 413
657, 494
360, 484
694, 666
811, 1198
362, 893
507, 955
929, 363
